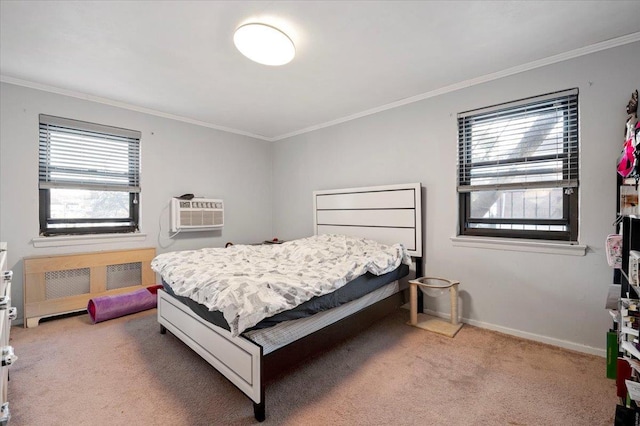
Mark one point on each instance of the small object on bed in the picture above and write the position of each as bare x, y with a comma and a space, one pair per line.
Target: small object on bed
113, 306
274, 241
434, 287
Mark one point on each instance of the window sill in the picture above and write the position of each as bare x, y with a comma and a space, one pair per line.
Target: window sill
76, 240
520, 245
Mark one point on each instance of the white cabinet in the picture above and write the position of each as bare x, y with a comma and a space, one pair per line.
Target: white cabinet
7, 313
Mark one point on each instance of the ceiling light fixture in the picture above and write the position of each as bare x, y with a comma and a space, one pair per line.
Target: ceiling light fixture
264, 44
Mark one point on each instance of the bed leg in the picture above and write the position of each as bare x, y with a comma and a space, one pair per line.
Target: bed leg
259, 408
258, 411
163, 329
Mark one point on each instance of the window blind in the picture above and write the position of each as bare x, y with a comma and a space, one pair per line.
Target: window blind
80, 155
531, 143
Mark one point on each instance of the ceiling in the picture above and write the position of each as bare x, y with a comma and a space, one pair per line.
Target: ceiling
177, 59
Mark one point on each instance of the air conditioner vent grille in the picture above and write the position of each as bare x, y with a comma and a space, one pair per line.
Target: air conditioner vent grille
198, 214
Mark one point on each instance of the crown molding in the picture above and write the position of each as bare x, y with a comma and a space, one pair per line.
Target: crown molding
608, 44
631, 38
124, 105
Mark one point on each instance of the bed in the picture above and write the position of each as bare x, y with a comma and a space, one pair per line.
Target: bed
250, 356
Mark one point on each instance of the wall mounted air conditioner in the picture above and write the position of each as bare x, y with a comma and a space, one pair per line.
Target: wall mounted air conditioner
197, 214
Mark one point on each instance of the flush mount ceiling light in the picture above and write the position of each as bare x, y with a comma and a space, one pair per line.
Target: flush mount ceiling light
264, 44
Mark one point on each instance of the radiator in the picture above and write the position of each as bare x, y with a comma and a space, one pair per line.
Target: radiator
60, 284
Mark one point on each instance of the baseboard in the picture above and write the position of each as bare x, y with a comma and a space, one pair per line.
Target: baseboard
525, 335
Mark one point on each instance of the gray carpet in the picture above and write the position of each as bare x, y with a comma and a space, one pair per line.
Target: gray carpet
124, 372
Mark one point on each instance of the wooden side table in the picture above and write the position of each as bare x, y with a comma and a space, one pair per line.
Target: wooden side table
432, 286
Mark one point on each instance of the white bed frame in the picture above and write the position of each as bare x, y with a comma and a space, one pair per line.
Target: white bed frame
388, 214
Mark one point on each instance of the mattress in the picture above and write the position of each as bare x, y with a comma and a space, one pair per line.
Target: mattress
351, 291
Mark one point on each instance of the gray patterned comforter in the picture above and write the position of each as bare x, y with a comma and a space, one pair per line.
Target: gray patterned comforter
249, 283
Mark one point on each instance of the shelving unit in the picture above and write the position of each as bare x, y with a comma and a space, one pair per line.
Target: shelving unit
624, 338
627, 366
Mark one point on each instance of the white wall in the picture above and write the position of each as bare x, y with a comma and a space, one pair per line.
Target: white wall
553, 298
177, 158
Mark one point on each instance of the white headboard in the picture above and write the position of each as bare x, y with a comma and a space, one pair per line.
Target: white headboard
388, 214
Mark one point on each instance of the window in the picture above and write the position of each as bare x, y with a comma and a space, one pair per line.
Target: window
518, 169
89, 177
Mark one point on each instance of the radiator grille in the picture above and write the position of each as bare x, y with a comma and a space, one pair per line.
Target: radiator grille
70, 282
124, 275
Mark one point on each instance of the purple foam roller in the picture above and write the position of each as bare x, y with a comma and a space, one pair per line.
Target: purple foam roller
107, 307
